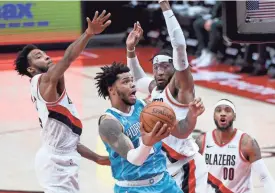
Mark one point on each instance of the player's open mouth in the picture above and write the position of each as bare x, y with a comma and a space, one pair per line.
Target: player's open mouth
223, 121
133, 94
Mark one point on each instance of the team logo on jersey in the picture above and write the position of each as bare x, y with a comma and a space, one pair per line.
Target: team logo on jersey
220, 159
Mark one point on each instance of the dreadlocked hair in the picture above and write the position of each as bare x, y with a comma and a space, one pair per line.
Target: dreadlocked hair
108, 77
166, 52
21, 62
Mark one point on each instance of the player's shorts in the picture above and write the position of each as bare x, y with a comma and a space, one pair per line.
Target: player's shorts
162, 184
57, 172
191, 175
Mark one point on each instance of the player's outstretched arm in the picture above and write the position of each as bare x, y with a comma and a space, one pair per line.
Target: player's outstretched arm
111, 133
90, 155
182, 80
186, 126
144, 83
96, 26
252, 153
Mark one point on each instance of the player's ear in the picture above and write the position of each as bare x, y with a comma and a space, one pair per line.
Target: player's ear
31, 70
111, 90
234, 116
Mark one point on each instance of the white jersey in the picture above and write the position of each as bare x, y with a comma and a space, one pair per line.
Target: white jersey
228, 170
61, 126
176, 149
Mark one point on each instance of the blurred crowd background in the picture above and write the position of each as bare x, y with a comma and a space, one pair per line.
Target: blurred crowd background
54, 25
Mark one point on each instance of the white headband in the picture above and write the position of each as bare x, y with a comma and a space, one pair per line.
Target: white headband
227, 103
162, 58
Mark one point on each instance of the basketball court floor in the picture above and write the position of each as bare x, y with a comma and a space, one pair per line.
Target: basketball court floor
19, 125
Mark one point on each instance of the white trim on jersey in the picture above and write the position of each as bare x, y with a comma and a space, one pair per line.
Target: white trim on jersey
122, 113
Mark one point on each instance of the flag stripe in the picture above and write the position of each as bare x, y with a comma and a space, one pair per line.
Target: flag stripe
263, 10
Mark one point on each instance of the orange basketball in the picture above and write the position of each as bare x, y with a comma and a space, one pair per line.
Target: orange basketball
157, 111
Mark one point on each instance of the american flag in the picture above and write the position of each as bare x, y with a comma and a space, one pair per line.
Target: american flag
260, 11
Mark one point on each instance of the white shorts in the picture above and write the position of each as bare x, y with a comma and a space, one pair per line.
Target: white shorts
57, 173
191, 174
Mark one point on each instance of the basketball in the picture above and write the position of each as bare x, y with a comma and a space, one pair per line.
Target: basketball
157, 111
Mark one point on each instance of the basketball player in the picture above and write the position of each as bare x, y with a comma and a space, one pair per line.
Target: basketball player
137, 162
57, 161
231, 154
173, 84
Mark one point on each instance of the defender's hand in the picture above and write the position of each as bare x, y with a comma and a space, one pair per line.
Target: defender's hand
99, 23
159, 132
134, 36
196, 107
103, 160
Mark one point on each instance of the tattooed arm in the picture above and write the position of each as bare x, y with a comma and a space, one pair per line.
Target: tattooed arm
186, 126
251, 152
111, 132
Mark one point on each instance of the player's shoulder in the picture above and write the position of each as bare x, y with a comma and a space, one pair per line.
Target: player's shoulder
247, 141
35, 79
104, 117
107, 122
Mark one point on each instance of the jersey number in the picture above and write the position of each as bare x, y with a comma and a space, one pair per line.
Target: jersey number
228, 173
160, 99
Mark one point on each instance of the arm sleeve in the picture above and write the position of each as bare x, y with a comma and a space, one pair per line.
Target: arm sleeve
142, 80
264, 175
175, 32
139, 155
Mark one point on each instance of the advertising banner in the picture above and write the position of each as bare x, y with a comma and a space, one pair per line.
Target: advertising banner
24, 22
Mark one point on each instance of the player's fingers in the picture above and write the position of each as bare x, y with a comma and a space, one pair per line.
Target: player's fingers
96, 15
167, 133
195, 101
101, 15
140, 31
107, 24
202, 109
199, 104
156, 128
88, 20
106, 17
191, 104
141, 127
135, 27
162, 130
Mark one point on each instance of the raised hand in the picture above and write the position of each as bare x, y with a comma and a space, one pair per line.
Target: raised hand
99, 23
159, 132
196, 107
134, 36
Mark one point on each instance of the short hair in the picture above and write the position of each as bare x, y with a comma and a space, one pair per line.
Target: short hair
21, 62
166, 52
108, 77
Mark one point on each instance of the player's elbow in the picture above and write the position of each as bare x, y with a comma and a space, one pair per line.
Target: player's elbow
178, 40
